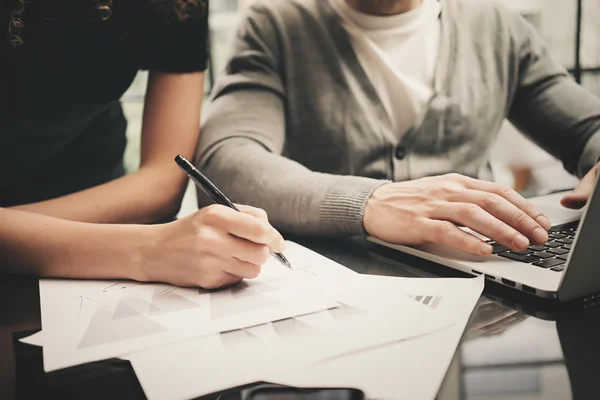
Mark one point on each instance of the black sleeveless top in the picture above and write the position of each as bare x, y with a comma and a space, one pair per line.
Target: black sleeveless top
62, 128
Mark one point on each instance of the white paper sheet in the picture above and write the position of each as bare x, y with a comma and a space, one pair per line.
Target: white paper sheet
378, 316
411, 369
37, 339
86, 321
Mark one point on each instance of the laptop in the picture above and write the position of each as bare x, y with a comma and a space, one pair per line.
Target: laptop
566, 268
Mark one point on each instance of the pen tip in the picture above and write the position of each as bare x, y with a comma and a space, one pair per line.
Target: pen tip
285, 262
281, 258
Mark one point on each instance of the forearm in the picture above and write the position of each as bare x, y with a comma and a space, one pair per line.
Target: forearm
46, 246
296, 199
146, 196
563, 118
170, 126
590, 155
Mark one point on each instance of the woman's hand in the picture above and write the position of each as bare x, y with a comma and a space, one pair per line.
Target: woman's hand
215, 247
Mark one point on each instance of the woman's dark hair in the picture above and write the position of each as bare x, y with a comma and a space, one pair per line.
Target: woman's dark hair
180, 9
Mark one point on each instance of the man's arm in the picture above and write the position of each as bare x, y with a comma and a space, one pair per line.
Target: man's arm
244, 137
550, 107
240, 149
154, 192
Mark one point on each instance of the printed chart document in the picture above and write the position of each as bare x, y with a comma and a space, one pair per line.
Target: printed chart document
379, 324
86, 321
413, 369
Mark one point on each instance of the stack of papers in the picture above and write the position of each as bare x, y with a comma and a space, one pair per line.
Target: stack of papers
319, 325
86, 321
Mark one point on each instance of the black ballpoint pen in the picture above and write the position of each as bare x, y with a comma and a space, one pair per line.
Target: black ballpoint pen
214, 193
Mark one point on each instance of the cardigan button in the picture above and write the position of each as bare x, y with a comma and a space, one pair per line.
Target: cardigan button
400, 152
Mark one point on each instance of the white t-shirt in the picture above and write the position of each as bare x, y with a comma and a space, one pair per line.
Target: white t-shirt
398, 54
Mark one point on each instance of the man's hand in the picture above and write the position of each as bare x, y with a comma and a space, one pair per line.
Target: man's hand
431, 209
583, 191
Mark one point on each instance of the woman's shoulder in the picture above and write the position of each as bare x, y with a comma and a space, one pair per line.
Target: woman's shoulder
176, 37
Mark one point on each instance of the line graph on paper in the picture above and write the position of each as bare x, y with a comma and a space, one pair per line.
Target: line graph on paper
88, 320
137, 314
130, 316
123, 285
240, 299
305, 326
127, 310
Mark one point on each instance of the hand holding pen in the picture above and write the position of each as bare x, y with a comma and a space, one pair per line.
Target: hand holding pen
217, 246
218, 197
214, 247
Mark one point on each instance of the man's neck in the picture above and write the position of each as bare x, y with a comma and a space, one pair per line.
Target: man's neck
384, 7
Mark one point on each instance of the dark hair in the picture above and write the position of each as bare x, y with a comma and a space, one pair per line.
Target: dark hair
180, 9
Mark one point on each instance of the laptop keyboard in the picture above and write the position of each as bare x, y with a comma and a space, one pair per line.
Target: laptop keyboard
552, 255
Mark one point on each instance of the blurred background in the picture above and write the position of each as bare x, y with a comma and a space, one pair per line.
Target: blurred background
569, 27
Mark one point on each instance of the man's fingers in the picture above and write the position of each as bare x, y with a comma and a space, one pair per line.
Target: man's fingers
474, 217
445, 232
579, 197
586, 186
512, 196
507, 212
574, 201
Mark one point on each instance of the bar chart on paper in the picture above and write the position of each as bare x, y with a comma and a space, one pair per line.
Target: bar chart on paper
429, 301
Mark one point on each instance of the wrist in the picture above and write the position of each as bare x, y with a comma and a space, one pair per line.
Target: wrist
341, 210
371, 210
143, 240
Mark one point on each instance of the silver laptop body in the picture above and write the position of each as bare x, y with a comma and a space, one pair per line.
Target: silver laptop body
575, 273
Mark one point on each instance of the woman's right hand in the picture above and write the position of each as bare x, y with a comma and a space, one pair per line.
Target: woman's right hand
215, 247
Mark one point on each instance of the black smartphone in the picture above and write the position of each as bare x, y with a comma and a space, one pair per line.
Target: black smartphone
288, 393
